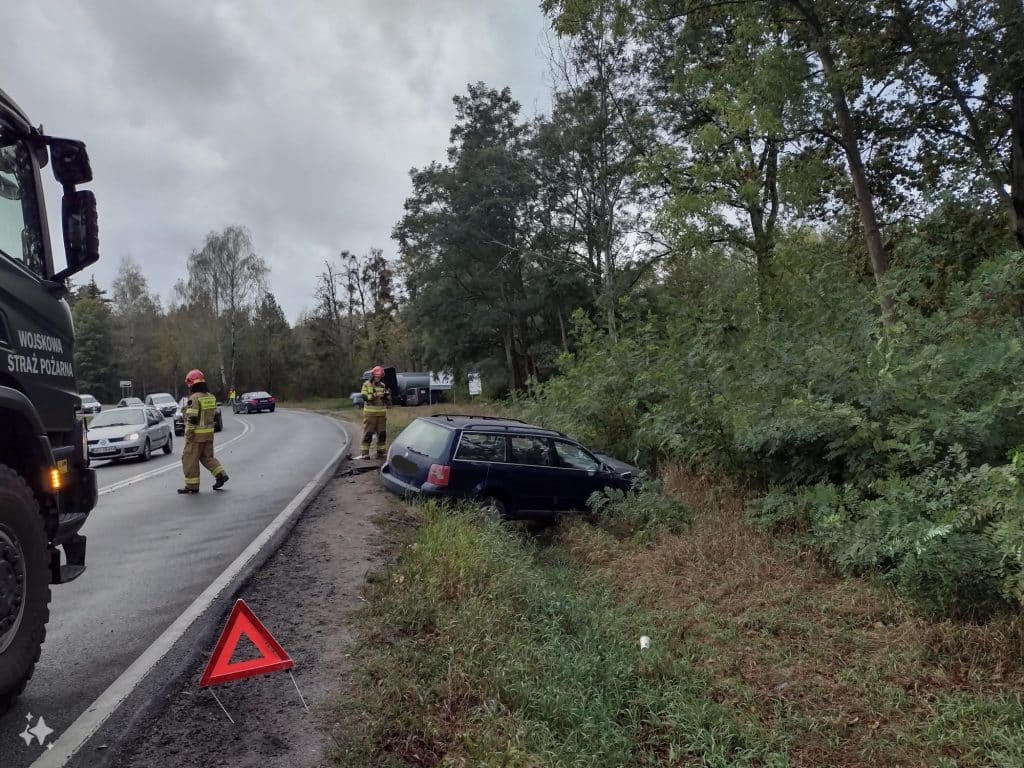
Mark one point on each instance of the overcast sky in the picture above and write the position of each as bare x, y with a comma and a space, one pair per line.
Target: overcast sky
299, 119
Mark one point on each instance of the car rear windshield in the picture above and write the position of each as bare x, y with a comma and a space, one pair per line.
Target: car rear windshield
162, 399
119, 417
423, 437
261, 395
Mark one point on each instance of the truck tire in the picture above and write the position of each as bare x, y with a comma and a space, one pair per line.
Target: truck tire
24, 585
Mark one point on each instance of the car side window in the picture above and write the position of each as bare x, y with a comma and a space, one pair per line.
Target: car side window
480, 447
574, 457
534, 451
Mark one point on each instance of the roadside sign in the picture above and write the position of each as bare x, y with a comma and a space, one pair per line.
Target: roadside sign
125, 383
475, 386
441, 380
243, 621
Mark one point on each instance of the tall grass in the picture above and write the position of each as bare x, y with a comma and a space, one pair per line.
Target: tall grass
491, 650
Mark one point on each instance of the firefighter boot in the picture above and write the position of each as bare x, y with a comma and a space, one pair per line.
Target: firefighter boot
219, 482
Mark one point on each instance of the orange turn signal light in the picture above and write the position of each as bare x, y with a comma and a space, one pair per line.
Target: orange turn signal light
55, 479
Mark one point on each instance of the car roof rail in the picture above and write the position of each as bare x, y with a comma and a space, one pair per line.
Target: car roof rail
451, 416
522, 428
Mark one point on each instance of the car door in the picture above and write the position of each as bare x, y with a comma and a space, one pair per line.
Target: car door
580, 474
533, 469
153, 427
480, 465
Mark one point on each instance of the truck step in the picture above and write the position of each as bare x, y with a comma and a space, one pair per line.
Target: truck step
70, 573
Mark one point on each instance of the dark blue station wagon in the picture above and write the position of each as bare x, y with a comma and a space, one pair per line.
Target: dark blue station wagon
515, 469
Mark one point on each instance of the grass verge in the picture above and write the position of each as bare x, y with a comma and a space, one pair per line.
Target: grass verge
485, 648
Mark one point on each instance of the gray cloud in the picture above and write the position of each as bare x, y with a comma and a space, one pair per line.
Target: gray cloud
299, 120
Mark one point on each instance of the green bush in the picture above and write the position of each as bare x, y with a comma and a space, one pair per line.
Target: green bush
642, 513
889, 451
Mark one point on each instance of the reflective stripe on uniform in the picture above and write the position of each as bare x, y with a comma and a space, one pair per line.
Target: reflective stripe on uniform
369, 390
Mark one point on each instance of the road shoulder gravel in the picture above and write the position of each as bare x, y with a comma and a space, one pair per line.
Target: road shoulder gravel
304, 595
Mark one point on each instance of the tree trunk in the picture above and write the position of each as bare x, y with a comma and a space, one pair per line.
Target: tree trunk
225, 384
1017, 160
848, 133
861, 186
510, 363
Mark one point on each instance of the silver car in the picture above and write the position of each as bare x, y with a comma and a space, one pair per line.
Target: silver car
132, 432
90, 404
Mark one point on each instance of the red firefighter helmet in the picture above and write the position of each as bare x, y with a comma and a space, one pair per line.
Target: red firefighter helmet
194, 377
377, 372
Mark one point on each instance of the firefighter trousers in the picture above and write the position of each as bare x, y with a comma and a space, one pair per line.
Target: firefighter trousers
375, 424
197, 453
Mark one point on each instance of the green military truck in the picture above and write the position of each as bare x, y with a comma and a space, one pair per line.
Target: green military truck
46, 486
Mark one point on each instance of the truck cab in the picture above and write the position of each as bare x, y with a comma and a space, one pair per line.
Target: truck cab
47, 488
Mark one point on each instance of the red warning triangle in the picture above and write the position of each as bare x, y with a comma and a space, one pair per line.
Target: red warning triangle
242, 621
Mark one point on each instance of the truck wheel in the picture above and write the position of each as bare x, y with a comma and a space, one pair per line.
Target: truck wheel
24, 585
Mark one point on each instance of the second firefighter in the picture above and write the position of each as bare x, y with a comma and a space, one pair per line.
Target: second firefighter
376, 398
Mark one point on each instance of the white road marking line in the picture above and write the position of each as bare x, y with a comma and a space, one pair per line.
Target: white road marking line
247, 428
97, 713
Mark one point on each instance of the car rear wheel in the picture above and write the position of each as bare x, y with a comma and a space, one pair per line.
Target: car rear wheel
146, 451
24, 585
169, 445
493, 508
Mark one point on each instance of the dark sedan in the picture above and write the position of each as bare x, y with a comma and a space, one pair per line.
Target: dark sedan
255, 402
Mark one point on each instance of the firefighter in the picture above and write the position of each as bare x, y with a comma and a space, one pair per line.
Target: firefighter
376, 397
200, 414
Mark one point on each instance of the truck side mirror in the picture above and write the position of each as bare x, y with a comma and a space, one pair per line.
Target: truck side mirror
81, 232
70, 162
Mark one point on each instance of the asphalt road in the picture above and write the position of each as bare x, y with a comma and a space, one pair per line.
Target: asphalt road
151, 552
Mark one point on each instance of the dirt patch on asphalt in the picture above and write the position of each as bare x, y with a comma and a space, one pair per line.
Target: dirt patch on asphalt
305, 596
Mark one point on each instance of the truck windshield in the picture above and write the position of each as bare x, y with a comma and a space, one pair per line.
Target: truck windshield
21, 237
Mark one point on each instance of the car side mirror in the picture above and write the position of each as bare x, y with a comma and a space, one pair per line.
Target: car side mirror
81, 232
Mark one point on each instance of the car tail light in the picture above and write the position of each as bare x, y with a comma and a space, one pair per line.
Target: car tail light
439, 474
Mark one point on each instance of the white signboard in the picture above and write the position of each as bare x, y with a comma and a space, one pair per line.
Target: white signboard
475, 386
441, 380
126, 383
